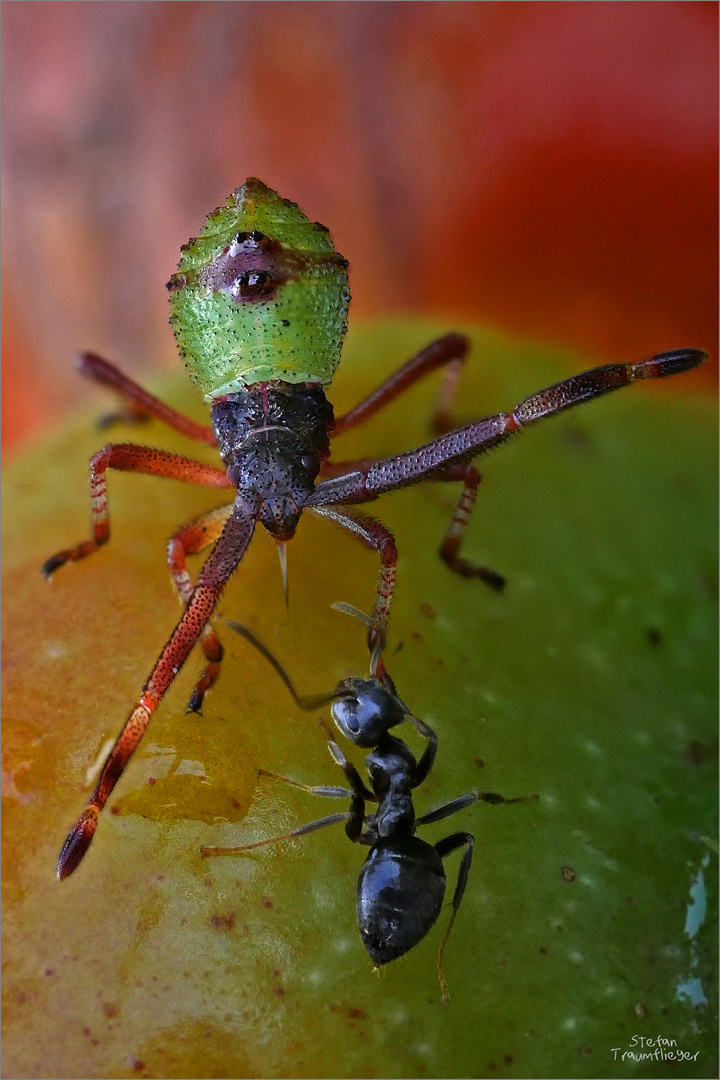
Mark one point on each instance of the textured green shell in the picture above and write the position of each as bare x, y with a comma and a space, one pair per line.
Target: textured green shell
260, 295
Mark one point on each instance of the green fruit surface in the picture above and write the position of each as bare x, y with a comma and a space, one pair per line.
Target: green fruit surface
588, 917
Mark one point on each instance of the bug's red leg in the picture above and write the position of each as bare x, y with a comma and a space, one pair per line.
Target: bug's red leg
128, 457
226, 555
142, 404
191, 540
450, 547
461, 445
380, 538
450, 350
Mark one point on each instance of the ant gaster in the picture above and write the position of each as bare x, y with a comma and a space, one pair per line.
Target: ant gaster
401, 887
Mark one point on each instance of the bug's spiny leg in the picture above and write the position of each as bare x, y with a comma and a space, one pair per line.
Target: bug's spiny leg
603, 380
302, 830
435, 458
443, 848
330, 469
142, 404
380, 538
191, 540
127, 457
450, 547
450, 350
227, 554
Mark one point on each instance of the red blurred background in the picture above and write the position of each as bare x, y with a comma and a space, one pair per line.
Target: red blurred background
549, 169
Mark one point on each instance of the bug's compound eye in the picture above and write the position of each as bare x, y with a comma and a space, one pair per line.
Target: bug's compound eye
253, 285
311, 464
234, 474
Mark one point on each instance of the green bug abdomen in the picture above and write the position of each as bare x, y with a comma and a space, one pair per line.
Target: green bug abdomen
260, 295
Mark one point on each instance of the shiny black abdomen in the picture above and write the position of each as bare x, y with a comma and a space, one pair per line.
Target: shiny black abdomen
400, 894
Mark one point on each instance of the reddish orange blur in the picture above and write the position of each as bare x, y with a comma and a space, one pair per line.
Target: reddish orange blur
549, 169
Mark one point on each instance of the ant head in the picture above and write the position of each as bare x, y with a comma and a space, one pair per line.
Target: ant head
365, 711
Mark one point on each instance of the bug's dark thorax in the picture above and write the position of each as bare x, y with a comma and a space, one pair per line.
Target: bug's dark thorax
272, 438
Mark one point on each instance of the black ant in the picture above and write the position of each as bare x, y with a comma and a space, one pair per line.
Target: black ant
401, 887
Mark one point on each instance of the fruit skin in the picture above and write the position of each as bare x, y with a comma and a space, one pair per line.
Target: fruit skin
296, 333
590, 681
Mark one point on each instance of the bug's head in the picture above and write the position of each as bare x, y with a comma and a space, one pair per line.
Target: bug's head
274, 481
260, 295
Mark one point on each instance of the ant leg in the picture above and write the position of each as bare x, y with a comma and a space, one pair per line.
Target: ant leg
224, 558
360, 793
380, 538
443, 848
142, 405
353, 818
191, 540
450, 350
427, 760
435, 459
329, 792
126, 457
302, 830
352, 776
450, 843
461, 803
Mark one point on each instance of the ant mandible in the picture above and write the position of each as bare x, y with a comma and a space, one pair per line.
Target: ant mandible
401, 887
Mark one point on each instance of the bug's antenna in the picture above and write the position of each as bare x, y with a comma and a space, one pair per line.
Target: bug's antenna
282, 552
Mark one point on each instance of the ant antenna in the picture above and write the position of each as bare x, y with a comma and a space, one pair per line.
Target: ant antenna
350, 609
307, 702
377, 667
